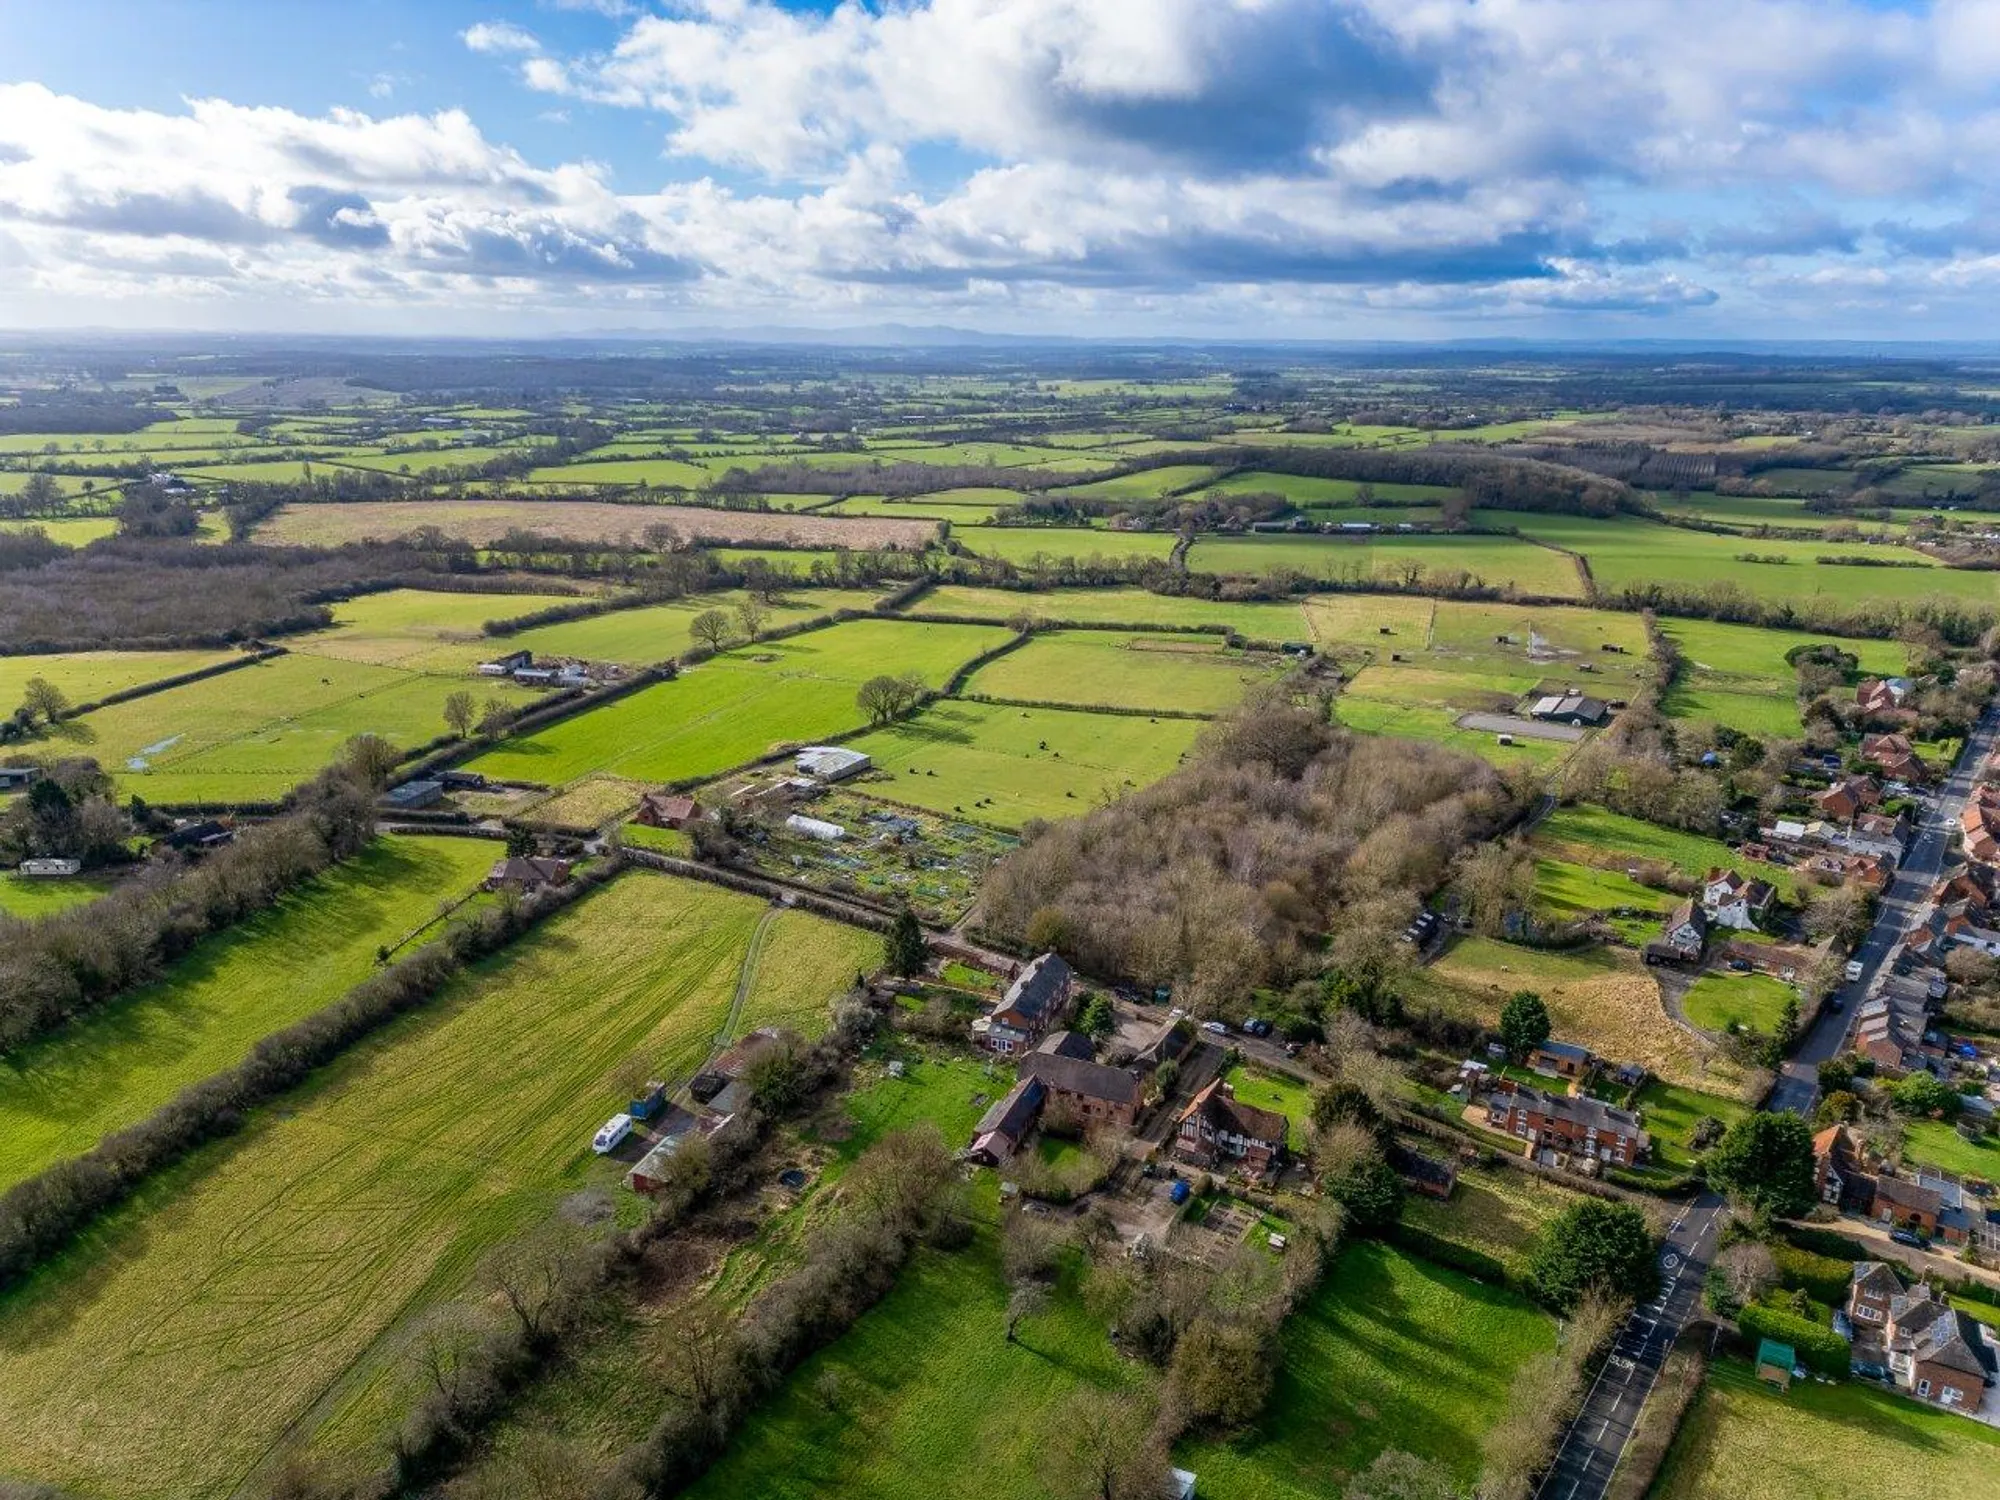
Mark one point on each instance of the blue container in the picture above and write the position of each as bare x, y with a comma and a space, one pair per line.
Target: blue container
1179, 1192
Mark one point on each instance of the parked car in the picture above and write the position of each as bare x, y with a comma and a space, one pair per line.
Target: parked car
1853, 970
1220, 1028
1739, 965
1908, 1237
1256, 1027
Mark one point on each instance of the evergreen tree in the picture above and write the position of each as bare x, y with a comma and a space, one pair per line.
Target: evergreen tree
905, 951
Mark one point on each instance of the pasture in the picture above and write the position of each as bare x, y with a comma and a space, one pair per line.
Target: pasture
422, 630
1850, 1441
1498, 561
1101, 668
739, 706
1737, 675
660, 632
86, 676
1607, 840
1383, 705
60, 1096
1723, 1002
1005, 765
1117, 606
1314, 494
1566, 892
1391, 1352
1146, 484
28, 896
1025, 546
274, 1284
486, 521
77, 531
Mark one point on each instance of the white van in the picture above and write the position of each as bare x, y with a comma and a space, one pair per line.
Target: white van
610, 1134
1853, 970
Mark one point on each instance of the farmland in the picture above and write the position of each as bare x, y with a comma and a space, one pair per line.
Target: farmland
660, 632
1390, 1353
29, 896
86, 676
1114, 606
1006, 765
486, 521
1097, 668
1833, 1442
62, 1094
1497, 561
1024, 545
420, 629
318, 1237
1737, 675
1611, 840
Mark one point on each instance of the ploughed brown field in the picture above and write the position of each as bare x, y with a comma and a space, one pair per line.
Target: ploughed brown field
486, 521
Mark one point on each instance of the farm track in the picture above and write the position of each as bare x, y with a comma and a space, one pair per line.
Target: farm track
747, 980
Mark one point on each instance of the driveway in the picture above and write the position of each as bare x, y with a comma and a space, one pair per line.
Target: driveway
1798, 1084
1919, 1262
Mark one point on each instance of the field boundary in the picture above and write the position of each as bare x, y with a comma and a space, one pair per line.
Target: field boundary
181, 679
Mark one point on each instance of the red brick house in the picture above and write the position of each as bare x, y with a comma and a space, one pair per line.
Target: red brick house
666, 810
1037, 1001
1839, 1173
1907, 1205
1891, 754
1217, 1128
1937, 1353
1871, 1293
1581, 1126
1089, 1094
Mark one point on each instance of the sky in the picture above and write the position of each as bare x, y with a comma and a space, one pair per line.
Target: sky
1337, 169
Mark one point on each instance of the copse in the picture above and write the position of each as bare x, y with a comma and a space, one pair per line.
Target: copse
1594, 1246
1765, 1161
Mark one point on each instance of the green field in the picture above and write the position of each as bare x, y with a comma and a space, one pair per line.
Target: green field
1025, 546
1101, 668
86, 676
1738, 675
1317, 494
1671, 1114
60, 1096
1499, 561
1567, 891
1495, 1210
659, 632
953, 755
1938, 1144
1390, 1353
1401, 718
1583, 830
1717, 1002
421, 629
1822, 1442
1259, 621
656, 473
30, 896
1147, 484
1287, 1096
80, 531
252, 734
271, 1287
738, 706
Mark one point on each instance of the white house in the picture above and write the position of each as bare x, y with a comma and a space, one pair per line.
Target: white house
1731, 900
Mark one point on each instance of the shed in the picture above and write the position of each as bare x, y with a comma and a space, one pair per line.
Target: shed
1774, 1363
412, 795
831, 762
815, 828
12, 777
51, 867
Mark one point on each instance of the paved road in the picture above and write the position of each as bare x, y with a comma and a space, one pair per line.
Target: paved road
1591, 1448
1798, 1085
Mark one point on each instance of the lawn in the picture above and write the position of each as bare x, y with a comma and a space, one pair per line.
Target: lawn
1023, 763
1023, 545
1496, 560
270, 1286
1287, 1096
86, 676
739, 706
1737, 674
1596, 835
1103, 669
1671, 1114
60, 1096
1937, 1144
1390, 1352
32, 896
1567, 891
1267, 622
1851, 1441
924, 1399
1717, 1002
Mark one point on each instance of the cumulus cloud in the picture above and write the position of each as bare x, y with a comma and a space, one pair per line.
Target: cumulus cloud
499, 37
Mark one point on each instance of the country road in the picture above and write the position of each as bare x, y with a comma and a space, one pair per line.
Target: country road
1798, 1085
1590, 1449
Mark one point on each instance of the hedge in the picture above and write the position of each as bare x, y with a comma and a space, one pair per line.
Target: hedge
1818, 1348
1822, 1277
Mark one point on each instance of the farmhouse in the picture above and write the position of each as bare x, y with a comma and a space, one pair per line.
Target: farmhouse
1683, 937
51, 868
1581, 1125
1570, 708
1035, 1002
1088, 1093
830, 762
526, 874
1731, 900
1216, 1128
666, 810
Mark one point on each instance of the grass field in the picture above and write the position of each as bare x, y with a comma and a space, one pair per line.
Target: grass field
1023, 545
1390, 1352
252, 734
1822, 1442
1715, 1002
1259, 621
1496, 560
1495, 1210
657, 632
1377, 707
421, 629
272, 1284
739, 705
1147, 484
1099, 668
486, 521
1567, 891
1315, 494
60, 1096
34, 896
86, 676
1672, 1113
1598, 836
1937, 1144
953, 755
1737, 674
78, 531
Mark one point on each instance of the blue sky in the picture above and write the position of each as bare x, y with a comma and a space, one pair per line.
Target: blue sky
1231, 168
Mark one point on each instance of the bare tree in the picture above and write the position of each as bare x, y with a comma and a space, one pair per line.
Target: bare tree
711, 628
752, 615
460, 713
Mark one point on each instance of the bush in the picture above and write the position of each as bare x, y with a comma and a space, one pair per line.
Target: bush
1819, 1348
1821, 1277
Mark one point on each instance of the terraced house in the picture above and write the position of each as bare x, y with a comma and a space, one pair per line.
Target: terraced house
1037, 1000
1579, 1126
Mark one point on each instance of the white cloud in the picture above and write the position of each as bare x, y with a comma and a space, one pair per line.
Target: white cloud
499, 37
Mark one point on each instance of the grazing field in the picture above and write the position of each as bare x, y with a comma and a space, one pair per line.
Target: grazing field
1257, 620
1376, 705
1603, 998
274, 1285
1023, 545
86, 676
29, 896
486, 521
1391, 1352
1147, 484
660, 632
1751, 511
1500, 561
60, 1096
656, 473
1101, 668
1738, 675
1005, 765
1597, 836
1937, 1144
1566, 892
738, 706
1315, 494
917, 1416
77, 531
1720, 1002
1850, 1441
252, 734
421, 629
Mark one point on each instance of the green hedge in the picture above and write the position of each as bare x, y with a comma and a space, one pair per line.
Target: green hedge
1818, 1348
1822, 1277
1450, 1254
